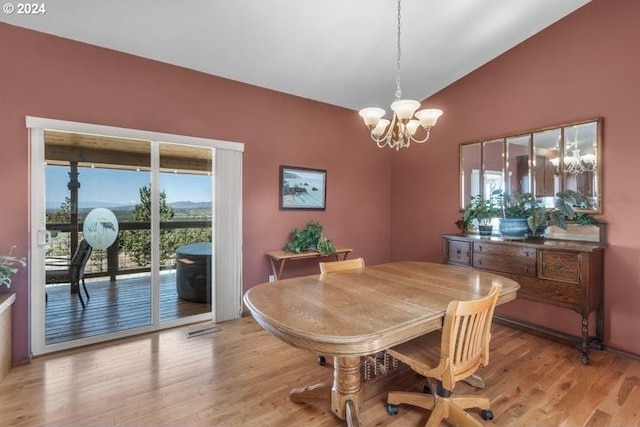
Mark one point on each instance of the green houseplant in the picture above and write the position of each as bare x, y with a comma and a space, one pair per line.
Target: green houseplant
309, 238
482, 211
8, 266
562, 212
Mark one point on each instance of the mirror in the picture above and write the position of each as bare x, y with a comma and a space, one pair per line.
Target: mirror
580, 166
469, 172
492, 167
546, 175
517, 165
542, 161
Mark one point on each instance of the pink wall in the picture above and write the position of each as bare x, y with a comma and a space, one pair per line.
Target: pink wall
51, 77
582, 67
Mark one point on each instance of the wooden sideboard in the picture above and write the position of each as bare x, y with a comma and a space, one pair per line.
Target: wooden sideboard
557, 272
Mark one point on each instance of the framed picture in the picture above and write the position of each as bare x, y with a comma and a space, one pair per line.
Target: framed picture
302, 188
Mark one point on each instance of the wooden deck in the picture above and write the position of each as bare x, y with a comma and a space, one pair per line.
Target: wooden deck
113, 307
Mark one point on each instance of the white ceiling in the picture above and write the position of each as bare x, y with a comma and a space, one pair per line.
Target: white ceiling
342, 52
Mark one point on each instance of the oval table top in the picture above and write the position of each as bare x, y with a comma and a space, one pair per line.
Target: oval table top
363, 311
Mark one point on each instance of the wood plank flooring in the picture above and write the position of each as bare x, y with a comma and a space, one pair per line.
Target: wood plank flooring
123, 305
241, 376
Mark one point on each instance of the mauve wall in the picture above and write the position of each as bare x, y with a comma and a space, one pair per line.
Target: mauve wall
582, 67
51, 77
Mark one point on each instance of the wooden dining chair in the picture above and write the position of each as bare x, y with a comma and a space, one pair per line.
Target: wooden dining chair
447, 356
332, 267
347, 264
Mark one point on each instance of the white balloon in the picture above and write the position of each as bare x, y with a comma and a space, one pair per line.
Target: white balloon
100, 228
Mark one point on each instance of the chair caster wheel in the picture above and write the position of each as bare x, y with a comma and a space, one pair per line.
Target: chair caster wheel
486, 414
321, 360
392, 409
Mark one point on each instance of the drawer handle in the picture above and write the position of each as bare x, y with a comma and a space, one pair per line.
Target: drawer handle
458, 251
479, 262
479, 248
526, 268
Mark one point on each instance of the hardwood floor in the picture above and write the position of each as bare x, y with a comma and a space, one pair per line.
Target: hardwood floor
113, 307
241, 376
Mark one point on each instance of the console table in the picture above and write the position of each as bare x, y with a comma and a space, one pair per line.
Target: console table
6, 301
279, 258
557, 272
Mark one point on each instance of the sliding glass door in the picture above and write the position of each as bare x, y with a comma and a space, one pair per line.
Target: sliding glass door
155, 200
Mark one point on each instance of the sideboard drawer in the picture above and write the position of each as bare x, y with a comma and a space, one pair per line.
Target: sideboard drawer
563, 294
459, 252
498, 249
505, 264
556, 265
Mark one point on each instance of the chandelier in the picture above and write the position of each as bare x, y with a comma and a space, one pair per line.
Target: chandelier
403, 127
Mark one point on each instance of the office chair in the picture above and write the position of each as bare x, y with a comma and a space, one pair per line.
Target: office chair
74, 273
448, 356
332, 267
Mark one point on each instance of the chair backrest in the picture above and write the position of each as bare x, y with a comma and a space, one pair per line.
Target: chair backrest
466, 334
79, 260
347, 264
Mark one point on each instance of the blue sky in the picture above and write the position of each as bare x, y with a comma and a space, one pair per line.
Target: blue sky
122, 186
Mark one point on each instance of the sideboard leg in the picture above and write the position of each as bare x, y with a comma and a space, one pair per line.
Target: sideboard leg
584, 348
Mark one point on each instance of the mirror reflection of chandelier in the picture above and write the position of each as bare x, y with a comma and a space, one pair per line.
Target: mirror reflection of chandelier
575, 163
401, 130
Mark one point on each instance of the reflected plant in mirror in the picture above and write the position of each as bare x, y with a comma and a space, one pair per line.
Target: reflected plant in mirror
480, 213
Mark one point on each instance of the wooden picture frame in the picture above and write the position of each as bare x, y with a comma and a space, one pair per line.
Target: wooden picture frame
302, 188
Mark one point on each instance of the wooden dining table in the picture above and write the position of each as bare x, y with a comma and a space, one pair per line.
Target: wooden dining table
350, 314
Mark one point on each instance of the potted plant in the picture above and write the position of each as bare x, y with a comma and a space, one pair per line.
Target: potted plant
310, 238
482, 211
8, 266
516, 209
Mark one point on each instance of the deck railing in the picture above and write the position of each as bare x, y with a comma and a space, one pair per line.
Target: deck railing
116, 261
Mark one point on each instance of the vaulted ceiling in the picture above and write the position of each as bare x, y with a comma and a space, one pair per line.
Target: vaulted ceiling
341, 52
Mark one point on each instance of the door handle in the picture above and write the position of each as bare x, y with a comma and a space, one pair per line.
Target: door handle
44, 238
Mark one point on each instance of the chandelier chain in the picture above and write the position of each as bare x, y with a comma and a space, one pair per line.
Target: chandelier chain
399, 48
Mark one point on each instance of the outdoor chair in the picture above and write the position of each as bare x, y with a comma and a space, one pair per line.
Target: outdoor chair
74, 271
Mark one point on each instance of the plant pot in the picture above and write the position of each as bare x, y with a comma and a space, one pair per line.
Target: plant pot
485, 230
514, 228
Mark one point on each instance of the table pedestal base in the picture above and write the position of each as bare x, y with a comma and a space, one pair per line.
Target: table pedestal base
345, 392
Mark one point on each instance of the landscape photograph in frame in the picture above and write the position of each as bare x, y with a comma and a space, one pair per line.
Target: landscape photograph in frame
302, 188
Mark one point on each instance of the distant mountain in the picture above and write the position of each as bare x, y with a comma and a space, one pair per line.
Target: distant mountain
52, 206
190, 205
